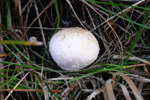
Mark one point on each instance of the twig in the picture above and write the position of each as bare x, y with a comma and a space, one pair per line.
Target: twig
75, 13
106, 22
23, 90
127, 0
125, 10
38, 16
1, 65
42, 32
16, 86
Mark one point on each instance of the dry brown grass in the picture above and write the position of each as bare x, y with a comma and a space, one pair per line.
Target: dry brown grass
111, 77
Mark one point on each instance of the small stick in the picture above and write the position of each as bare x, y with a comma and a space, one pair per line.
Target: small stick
21, 43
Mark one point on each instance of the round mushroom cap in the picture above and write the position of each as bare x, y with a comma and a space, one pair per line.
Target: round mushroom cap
74, 48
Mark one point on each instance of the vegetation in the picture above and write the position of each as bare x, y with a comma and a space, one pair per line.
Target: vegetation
121, 71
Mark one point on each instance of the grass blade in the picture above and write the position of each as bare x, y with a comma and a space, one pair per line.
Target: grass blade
138, 33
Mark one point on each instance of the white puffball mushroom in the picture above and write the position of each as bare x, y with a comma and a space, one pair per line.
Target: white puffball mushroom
73, 48
33, 39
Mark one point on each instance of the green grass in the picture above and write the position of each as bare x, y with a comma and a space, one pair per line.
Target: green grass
14, 69
139, 32
126, 19
58, 23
